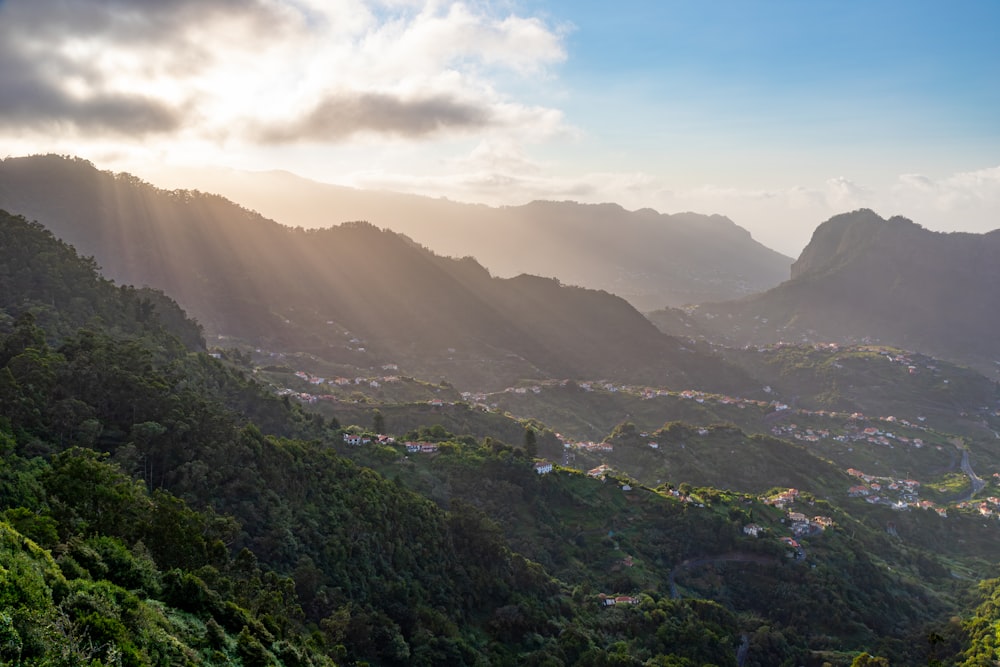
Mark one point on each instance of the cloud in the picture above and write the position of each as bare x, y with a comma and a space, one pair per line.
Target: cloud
72, 66
952, 193
498, 155
498, 171
270, 71
967, 201
343, 114
29, 101
844, 194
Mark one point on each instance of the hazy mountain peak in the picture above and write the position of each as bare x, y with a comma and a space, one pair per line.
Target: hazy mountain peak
649, 258
840, 239
863, 277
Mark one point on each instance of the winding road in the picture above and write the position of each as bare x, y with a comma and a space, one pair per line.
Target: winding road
976, 481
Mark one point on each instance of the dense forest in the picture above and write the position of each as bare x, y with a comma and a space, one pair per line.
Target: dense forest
159, 506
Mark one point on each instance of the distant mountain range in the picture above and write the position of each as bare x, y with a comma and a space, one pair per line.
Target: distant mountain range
351, 294
648, 258
864, 278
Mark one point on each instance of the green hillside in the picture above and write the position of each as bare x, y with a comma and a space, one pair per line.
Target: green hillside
160, 506
172, 529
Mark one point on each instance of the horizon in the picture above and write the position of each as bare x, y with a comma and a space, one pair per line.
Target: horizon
777, 116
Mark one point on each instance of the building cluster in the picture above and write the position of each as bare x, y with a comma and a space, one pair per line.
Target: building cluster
900, 494
339, 382
356, 440
782, 499
587, 446
543, 467
803, 526
990, 507
372, 382
421, 447
612, 600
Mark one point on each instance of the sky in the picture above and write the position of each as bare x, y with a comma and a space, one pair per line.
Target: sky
776, 113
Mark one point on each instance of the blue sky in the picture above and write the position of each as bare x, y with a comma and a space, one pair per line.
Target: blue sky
778, 114
917, 78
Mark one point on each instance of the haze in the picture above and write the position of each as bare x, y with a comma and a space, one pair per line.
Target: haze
777, 114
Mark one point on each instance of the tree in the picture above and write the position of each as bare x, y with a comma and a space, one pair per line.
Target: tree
378, 421
530, 442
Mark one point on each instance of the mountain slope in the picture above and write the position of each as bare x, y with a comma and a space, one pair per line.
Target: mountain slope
229, 546
351, 293
44, 277
360, 569
648, 258
862, 277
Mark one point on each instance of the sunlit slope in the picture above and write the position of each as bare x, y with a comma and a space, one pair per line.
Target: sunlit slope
351, 292
651, 259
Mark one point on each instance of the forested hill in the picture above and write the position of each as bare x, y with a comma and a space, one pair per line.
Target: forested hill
351, 294
45, 277
121, 570
890, 281
650, 259
156, 507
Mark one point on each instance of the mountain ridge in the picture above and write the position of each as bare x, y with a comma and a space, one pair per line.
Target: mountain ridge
352, 293
865, 278
649, 258
355, 567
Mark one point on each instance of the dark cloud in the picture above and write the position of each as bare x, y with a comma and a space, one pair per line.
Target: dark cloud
28, 103
343, 115
34, 67
123, 20
31, 99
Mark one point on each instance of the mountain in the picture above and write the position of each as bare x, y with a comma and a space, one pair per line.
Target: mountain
648, 258
863, 278
146, 520
159, 506
46, 278
353, 294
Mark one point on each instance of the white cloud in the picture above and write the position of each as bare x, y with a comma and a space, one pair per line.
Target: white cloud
844, 194
955, 193
965, 201
266, 70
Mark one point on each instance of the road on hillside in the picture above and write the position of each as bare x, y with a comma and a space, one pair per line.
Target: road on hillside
975, 480
743, 650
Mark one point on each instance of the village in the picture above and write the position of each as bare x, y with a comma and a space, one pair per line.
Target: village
853, 428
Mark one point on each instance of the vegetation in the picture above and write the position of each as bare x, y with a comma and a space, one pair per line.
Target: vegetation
159, 506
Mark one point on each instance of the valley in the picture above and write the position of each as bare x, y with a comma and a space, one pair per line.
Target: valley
479, 333
415, 462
